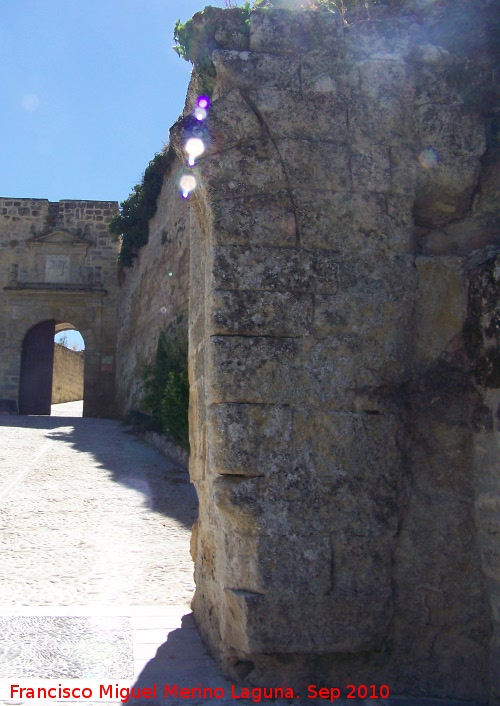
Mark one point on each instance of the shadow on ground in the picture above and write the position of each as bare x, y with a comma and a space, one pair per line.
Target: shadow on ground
165, 484
182, 662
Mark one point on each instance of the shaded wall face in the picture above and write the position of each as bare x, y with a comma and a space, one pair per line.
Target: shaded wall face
58, 262
331, 393
154, 292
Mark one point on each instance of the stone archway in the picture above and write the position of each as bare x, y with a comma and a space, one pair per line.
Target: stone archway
60, 266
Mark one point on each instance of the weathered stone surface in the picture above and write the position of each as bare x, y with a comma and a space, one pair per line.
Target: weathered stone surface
252, 169
153, 296
291, 114
273, 563
324, 75
250, 440
316, 165
228, 132
267, 219
276, 269
384, 40
381, 112
262, 313
255, 626
450, 129
371, 169
452, 141
282, 32
344, 455
249, 69
441, 309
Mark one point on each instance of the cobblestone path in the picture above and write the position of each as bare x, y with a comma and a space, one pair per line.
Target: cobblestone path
95, 572
90, 515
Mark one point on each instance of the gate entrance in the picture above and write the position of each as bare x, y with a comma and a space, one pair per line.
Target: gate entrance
59, 265
37, 360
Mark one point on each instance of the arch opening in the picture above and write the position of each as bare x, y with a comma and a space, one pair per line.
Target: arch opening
52, 367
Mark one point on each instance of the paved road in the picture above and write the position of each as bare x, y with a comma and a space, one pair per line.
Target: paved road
90, 515
95, 572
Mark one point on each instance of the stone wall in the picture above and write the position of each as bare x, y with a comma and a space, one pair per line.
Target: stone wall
342, 444
59, 262
154, 292
67, 378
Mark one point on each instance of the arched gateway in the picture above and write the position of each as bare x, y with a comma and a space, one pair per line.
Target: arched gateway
58, 265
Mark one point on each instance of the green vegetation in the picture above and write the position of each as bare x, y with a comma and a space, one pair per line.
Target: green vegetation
195, 39
166, 387
131, 224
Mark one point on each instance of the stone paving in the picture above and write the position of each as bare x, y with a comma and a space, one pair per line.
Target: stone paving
95, 570
95, 573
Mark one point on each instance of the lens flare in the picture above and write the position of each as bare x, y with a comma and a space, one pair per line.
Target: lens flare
203, 102
200, 114
428, 158
187, 184
194, 147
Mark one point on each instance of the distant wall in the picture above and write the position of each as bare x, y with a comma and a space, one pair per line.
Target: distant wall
154, 292
67, 379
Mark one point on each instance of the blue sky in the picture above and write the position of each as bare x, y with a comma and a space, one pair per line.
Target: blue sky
90, 89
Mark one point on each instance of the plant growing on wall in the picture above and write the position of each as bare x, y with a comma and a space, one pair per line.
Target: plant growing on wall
131, 224
195, 39
166, 387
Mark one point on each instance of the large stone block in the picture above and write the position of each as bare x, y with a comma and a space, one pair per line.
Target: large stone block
253, 440
324, 218
248, 69
273, 564
248, 313
329, 373
348, 445
275, 269
266, 219
384, 40
336, 503
327, 76
441, 307
251, 169
316, 165
450, 130
231, 121
290, 114
274, 624
358, 313
283, 32
364, 222
252, 370
380, 111
371, 169
451, 142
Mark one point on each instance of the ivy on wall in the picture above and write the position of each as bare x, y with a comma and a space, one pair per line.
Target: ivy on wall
166, 387
131, 224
